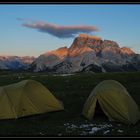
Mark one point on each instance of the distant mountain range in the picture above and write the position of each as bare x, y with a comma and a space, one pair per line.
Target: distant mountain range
15, 62
87, 53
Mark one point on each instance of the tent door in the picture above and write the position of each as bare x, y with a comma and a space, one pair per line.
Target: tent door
99, 112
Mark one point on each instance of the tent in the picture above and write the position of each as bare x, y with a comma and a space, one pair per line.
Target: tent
115, 102
25, 98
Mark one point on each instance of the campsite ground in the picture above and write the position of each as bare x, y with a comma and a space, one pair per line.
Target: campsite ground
73, 91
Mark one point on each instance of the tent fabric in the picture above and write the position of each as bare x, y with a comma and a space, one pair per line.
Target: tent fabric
114, 100
25, 98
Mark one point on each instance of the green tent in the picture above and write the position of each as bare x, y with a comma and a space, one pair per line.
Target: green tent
25, 98
115, 102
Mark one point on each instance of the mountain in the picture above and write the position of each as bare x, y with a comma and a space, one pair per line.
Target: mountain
88, 53
15, 62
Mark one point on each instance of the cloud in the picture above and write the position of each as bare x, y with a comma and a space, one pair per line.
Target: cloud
58, 31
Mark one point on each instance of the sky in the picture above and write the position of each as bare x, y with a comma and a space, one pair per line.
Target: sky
31, 30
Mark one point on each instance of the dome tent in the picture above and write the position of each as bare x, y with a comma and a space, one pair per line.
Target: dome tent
26, 98
115, 102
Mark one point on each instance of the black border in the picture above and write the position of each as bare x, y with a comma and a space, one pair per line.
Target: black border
69, 2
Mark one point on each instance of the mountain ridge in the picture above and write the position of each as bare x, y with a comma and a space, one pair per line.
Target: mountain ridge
15, 62
87, 53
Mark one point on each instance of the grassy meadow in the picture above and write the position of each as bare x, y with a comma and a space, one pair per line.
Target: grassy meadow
72, 90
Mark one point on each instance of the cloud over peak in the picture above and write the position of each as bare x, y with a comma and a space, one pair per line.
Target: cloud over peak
59, 31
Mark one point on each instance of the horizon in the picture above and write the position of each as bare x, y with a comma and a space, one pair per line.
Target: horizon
119, 23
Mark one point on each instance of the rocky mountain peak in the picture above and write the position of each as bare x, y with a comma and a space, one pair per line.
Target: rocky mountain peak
88, 53
60, 52
109, 44
128, 51
86, 36
93, 42
84, 40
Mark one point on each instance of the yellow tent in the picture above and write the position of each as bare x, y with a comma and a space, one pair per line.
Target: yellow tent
115, 102
25, 98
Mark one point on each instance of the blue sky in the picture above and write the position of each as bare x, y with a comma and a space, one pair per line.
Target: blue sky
120, 23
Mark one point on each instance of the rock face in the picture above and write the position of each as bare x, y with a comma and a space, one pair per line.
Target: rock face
15, 62
88, 53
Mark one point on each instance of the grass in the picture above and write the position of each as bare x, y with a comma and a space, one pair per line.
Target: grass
72, 91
